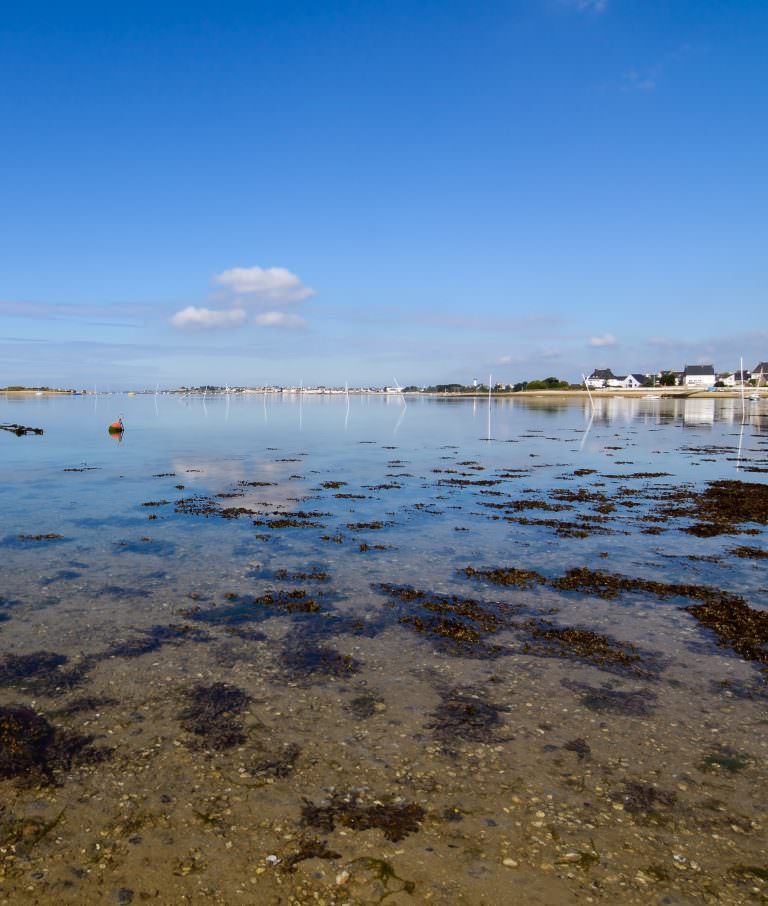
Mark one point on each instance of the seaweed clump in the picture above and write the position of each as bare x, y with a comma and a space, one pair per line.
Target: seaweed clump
458, 625
582, 644
463, 714
737, 626
154, 639
304, 661
723, 506
32, 748
604, 699
40, 672
21, 430
645, 800
249, 609
750, 553
395, 820
519, 578
213, 714
309, 848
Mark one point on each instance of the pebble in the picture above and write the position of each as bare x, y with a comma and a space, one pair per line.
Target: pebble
510, 863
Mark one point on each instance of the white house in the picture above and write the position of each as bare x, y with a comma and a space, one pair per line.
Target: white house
699, 376
737, 379
633, 381
760, 373
600, 378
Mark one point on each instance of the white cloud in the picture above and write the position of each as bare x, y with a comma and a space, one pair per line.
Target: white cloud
279, 319
607, 339
205, 317
588, 6
276, 284
637, 81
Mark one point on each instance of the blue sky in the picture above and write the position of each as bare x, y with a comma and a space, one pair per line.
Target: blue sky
248, 192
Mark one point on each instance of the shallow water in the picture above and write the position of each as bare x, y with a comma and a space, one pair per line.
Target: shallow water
268, 678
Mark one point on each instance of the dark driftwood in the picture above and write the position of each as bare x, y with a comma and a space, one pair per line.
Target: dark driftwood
20, 430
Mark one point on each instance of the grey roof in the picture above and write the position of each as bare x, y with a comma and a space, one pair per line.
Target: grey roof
640, 378
699, 369
760, 368
602, 374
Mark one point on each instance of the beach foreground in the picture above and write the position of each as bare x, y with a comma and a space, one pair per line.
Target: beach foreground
262, 651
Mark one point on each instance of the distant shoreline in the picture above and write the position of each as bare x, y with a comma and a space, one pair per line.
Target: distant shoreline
639, 393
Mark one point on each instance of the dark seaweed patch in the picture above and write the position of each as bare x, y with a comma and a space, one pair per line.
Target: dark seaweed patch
600, 583
277, 765
469, 482
248, 609
726, 760
207, 506
464, 714
604, 699
289, 522
63, 575
40, 673
32, 748
363, 706
586, 526
641, 799
313, 575
547, 639
40, 539
213, 713
580, 747
309, 848
458, 626
751, 553
120, 591
20, 430
83, 704
395, 820
145, 546
516, 506
361, 526
519, 578
736, 625
722, 507
154, 639
304, 660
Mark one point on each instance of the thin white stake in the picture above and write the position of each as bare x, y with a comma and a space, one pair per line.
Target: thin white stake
743, 402
346, 393
490, 385
589, 392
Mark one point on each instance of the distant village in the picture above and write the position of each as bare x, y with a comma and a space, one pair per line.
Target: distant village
700, 377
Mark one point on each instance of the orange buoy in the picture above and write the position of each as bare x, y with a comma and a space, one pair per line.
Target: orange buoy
117, 427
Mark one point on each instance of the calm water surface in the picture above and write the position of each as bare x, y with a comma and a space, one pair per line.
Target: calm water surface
243, 661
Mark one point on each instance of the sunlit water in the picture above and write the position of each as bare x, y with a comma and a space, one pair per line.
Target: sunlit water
117, 554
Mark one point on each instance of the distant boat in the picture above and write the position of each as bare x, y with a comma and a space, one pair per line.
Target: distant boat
652, 396
755, 397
